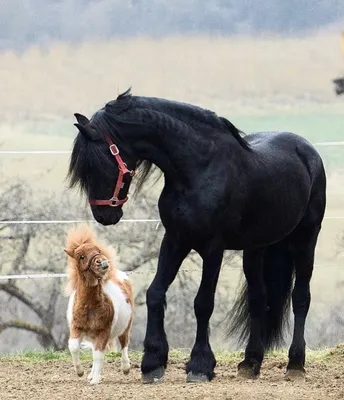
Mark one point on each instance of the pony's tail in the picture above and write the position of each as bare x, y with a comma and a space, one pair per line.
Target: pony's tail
278, 279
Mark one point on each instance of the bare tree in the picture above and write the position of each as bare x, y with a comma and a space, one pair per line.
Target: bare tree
38, 306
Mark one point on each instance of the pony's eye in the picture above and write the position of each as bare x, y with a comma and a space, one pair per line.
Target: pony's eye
82, 257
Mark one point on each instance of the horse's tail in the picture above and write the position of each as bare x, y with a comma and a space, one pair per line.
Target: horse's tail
278, 279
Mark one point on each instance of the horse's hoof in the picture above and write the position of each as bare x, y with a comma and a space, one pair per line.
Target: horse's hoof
247, 373
295, 375
79, 371
196, 378
155, 376
95, 381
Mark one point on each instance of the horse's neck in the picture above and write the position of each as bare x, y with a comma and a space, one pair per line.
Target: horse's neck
90, 294
178, 151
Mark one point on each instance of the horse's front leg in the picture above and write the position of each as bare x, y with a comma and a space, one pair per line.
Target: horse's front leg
75, 338
154, 362
201, 366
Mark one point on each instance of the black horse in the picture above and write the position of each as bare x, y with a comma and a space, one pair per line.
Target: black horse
264, 193
339, 85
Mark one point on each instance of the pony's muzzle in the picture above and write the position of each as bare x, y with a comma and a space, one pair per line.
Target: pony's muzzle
104, 265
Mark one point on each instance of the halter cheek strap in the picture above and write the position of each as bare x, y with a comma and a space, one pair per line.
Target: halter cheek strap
89, 265
122, 166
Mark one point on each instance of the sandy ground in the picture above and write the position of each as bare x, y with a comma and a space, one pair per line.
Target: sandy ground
57, 380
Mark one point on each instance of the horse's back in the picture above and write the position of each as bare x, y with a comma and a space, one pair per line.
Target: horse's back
289, 147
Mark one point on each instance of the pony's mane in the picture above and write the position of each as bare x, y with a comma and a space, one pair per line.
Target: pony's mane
76, 237
129, 111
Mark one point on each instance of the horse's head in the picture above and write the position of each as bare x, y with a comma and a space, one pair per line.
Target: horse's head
91, 263
102, 168
89, 258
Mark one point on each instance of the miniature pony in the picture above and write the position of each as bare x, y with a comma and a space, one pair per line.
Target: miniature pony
101, 305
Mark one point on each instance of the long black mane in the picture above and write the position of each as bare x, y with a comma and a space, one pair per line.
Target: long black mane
128, 111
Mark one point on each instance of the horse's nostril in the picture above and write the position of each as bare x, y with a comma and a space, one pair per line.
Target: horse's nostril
105, 265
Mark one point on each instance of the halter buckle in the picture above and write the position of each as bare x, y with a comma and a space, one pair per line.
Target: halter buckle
113, 202
114, 150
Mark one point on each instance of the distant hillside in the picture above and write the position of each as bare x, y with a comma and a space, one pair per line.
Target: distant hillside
35, 21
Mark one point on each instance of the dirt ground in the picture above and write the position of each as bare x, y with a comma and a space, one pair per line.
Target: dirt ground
56, 380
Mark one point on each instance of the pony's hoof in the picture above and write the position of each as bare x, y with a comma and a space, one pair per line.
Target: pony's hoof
295, 375
94, 381
80, 371
155, 376
126, 371
196, 378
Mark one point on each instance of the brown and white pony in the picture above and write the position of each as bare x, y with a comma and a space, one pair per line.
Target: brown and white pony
101, 305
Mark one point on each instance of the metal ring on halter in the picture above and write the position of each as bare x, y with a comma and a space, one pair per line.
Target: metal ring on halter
113, 202
114, 152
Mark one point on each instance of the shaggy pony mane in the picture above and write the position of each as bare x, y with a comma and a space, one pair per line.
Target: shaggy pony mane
84, 235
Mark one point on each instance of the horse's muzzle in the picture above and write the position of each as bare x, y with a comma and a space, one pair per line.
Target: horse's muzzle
104, 265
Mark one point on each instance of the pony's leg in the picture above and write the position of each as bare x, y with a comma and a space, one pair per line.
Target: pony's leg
98, 356
74, 348
90, 375
304, 249
124, 342
154, 362
202, 362
253, 262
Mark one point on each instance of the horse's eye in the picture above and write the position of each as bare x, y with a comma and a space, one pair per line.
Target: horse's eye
82, 257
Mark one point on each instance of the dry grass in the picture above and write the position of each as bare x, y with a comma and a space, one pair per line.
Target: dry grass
234, 74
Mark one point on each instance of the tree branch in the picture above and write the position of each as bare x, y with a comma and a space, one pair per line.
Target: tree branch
26, 326
19, 294
22, 251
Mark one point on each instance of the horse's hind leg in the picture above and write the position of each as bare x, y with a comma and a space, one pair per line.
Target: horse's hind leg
124, 342
304, 242
253, 264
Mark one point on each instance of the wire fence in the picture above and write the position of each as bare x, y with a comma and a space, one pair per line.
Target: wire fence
134, 272
157, 221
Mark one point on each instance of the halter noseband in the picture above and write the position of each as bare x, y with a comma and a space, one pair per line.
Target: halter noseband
122, 166
89, 265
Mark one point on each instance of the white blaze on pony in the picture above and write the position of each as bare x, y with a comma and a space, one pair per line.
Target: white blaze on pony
100, 307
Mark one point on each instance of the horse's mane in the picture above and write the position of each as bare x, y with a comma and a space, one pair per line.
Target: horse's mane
139, 111
76, 237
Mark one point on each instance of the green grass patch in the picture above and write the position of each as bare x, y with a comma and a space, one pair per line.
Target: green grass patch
175, 356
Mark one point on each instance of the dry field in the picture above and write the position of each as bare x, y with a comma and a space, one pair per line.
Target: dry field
55, 379
236, 74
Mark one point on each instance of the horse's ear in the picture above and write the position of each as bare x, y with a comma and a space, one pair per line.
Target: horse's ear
82, 120
86, 131
68, 252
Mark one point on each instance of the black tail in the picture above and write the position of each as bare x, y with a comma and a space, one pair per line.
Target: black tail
278, 277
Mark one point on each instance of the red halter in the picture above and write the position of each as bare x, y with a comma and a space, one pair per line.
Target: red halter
122, 166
